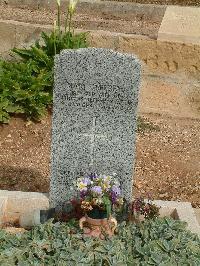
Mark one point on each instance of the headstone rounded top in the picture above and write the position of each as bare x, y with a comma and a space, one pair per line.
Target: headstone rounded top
98, 65
94, 120
99, 51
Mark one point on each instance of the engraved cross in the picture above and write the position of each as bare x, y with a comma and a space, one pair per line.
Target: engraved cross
92, 136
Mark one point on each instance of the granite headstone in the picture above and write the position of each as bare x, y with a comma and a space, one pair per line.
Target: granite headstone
94, 118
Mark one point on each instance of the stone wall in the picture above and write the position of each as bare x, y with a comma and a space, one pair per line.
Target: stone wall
159, 56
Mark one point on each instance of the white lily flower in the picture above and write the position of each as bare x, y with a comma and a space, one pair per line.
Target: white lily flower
72, 6
58, 2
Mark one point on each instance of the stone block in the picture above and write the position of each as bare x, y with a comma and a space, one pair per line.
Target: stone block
14, 203
163, 57
3, 203
27, 203
180, 24
30, 219
103, 39
7, 36
187, 215
181, 211
197, 213
18, 202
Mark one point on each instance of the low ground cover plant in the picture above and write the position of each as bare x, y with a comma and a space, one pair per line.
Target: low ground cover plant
152, 242
26, 82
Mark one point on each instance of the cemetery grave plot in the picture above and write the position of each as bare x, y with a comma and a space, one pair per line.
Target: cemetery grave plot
167, 161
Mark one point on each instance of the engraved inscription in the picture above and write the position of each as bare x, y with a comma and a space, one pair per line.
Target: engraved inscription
89, 96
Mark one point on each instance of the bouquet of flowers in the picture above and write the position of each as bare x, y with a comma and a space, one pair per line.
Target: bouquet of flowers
99, 192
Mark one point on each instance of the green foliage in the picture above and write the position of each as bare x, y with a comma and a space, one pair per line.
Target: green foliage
108, 205
54, 43
154, 242
26, 86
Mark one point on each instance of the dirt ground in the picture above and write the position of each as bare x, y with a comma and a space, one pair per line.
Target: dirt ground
167, 161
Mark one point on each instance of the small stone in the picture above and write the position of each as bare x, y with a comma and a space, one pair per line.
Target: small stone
30, 219
29, 123
162, 196
9, 140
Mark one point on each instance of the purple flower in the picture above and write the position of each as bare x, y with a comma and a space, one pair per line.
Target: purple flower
113, 197
97, 190
83, 193
86, 181
93, 176
116, 190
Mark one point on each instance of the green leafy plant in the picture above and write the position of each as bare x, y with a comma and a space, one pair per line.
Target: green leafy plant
26, 86
54, 43
25, 89
154, 242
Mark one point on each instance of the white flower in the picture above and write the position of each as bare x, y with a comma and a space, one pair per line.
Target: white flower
116, 182
72, 6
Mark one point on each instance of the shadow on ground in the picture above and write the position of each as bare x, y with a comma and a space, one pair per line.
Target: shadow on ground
23, 179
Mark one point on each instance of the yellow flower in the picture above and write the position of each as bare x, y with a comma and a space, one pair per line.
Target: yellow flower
106, 186
82, 185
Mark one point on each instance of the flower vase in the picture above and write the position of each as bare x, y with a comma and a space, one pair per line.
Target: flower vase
95, 223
